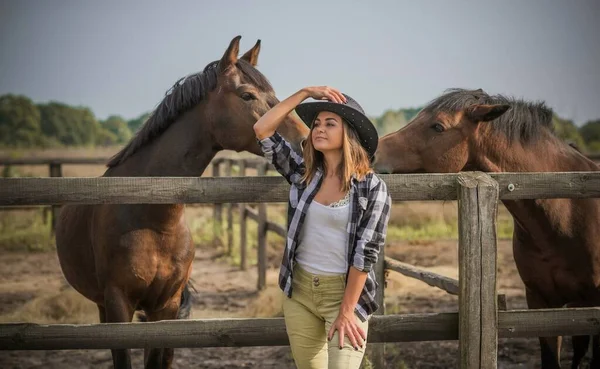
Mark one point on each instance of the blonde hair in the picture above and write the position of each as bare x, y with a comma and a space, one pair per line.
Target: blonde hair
355, 160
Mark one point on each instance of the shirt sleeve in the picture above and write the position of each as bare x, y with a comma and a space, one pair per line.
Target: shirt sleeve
285, 160
371, 231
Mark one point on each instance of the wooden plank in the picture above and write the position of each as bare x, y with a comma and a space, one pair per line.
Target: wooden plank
229, 211
478, 309
271, 332
548, 185
447, 284
55, 172
450, 285
252, 214
262, 238
271, 189
243, 223
276, 228
549, 322
377, 356
488, 210
469, 273
217, 207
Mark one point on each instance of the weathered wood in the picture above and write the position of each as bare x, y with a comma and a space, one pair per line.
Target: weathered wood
217, 207
243, 223
447, 284
502, 302
469, 272
377, 356
55, 172
262, 238
548, 185
478, 311
277, 229
229, 208
166, 190
252, 214
488, 211
450, 285
271, 332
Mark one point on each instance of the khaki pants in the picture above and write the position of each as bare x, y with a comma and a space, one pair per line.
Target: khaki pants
309, 314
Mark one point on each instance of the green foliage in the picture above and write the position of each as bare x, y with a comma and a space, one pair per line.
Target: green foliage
136, 123
591, 135
70, 126
392, 120
566, 130
23, 124
19, 122
118, 127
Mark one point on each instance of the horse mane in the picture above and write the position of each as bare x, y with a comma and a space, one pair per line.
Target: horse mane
186, 93
525, 121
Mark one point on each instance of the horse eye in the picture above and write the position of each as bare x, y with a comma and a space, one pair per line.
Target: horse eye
247, 96
438, 127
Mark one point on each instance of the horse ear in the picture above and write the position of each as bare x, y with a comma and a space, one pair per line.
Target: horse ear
251, 56
486, 113
231, 54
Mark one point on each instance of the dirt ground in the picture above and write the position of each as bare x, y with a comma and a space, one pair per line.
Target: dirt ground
225, 291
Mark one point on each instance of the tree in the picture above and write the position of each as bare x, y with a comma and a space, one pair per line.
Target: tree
591, 135
117, 126
567, 130
72, 126
136, 123
19, 121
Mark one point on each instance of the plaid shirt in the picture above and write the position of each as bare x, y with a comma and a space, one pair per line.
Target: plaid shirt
370, 210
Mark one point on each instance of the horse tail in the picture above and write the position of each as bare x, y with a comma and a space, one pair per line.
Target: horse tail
185, 306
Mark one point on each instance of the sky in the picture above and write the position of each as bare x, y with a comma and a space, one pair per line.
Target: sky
120, 57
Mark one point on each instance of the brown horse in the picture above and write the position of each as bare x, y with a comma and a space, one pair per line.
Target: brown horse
556, 242
139, 257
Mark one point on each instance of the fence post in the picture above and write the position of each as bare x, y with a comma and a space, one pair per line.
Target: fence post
478, 308
377, 357
242, 209
262, 236
229, 207
55, 171
217, 208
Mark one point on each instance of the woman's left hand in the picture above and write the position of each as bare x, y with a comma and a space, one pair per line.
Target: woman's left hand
346, 325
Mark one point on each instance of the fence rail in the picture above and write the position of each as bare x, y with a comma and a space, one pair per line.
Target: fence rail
477, 325
271, 331
271, 189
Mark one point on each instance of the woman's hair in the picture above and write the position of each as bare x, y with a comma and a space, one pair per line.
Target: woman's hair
355, 159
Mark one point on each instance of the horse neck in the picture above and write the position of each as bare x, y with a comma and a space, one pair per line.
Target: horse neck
185, 149
493, 153
547, 154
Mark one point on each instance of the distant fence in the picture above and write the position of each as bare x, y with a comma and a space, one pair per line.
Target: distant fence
477, 325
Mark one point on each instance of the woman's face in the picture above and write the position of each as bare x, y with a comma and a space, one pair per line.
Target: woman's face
327, 132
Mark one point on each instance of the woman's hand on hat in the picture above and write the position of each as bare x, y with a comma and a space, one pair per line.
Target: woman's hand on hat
325, 93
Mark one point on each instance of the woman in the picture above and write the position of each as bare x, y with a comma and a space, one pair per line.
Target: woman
337, 219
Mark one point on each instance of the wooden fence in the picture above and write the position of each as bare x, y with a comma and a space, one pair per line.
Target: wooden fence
258, 214
477, 325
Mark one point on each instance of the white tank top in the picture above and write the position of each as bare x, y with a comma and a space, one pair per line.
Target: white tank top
323, 240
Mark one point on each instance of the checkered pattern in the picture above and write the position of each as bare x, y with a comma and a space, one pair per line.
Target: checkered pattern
370, 211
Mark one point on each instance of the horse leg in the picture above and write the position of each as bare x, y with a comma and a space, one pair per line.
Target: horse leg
101, 313
162, 358
550, 346
580, 347
118, 309
595, 364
